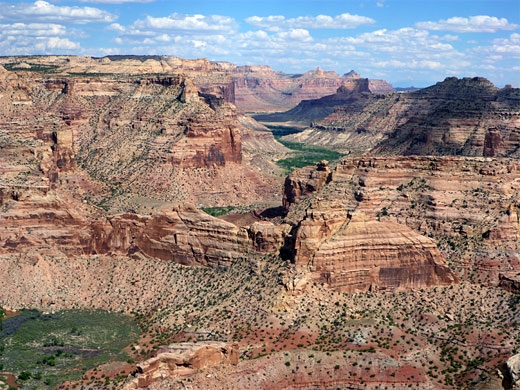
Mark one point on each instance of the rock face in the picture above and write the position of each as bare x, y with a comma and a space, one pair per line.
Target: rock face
371, 255
357, 253
469, 205
509, 283
304, 181
182, 360
251, 88
513, 368
312, 110
454, 117
185, 235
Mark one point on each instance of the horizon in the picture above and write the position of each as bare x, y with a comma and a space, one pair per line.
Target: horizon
405, 42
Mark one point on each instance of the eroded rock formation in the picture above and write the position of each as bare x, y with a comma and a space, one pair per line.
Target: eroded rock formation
370, 255
182, 360
139, 136
304, 181
185, 235
469, 205
252, 88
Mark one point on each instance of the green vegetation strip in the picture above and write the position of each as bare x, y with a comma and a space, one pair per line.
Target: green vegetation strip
280, 131
43, 350
40, 68
306, 155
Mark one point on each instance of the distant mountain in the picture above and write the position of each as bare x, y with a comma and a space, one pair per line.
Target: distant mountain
314, 110
468, 116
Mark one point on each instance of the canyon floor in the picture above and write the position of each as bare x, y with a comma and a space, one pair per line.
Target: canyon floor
154, 235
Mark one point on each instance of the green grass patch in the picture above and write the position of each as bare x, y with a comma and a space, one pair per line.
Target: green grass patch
305, 155
47, 349
218, 211
280, 131
40, 68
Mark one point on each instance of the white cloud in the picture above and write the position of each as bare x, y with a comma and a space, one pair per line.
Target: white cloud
414, 64
279, 22
405, 41
501, 48
42, 11
115, 1
480, 23
31, 29
297, 34
55, 43
188, 24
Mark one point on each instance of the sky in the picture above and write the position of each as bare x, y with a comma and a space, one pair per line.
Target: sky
406, 42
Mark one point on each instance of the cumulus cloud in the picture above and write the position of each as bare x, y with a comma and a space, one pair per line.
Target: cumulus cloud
279, 22
414, 64
115, 1
502, 47
298, 34
404, 41
31, 29
188, 24
55, 43
480, 23
42, 11
36, 38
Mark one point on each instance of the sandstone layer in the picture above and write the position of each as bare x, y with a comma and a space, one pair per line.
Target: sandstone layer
469, 205
358, 253
254, 88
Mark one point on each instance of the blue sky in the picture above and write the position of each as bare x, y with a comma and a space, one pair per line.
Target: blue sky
406, 42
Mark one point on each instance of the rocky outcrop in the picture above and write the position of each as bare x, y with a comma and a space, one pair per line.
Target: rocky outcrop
251, 88
142, 135
182, 360
509, 283
513, 369
260, 89
304, 181
322, 221
185, 235
357, 253
468, 205
370, 255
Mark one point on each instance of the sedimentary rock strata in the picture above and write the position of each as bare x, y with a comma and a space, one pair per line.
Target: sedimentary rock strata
304, 181
455, 117
185, 235
252, 88
510, 283
140, 137
468, 204
311, 110
372, 255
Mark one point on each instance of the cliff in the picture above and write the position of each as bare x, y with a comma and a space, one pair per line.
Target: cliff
468, 205
137, 137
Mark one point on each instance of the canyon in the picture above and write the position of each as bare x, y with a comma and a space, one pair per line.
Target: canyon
107, 166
